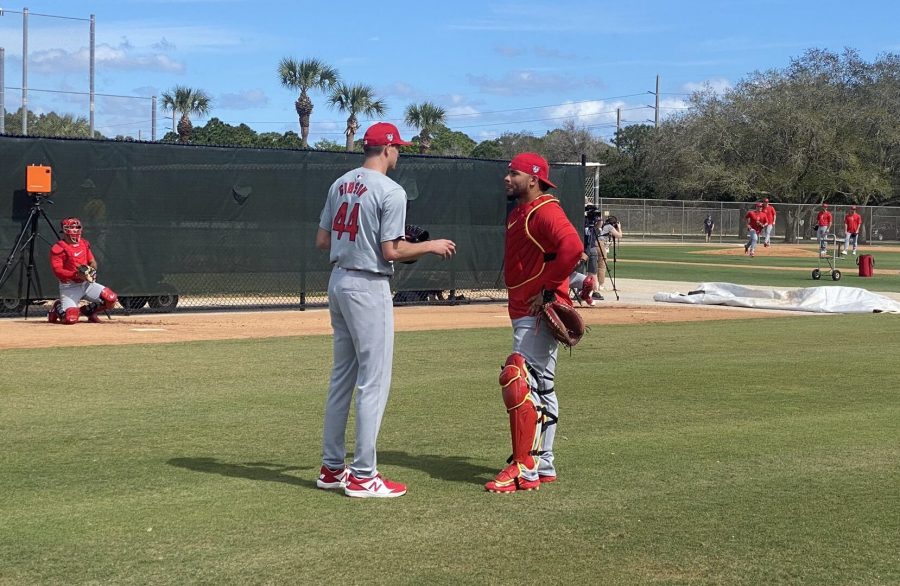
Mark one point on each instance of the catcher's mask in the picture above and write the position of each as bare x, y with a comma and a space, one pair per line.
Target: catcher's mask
71, 227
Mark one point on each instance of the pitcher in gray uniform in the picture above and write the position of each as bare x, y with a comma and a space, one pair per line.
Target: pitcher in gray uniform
362, 226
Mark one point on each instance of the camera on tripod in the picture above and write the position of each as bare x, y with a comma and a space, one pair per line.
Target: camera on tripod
591, 214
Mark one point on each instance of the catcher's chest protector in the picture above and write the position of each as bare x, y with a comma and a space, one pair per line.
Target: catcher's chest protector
524, 421
866, 264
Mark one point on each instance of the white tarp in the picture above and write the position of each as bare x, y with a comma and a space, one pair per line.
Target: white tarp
814, 299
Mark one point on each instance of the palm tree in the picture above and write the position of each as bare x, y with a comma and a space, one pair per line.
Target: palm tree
304, 76
185, 101
355, 99
427, 118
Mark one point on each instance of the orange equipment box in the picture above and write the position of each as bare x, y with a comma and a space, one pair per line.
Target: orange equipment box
38, 179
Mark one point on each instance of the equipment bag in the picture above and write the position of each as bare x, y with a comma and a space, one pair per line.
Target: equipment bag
866, 264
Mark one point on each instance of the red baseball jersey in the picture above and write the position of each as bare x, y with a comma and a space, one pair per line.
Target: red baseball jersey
542, 249
756, 220
824, 218
65, 258
852, 222
769, 211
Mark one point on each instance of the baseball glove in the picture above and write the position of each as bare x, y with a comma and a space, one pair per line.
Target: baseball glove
564, 321
87, 272
415, 233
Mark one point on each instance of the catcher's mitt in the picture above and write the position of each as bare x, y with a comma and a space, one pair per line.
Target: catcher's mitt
88, 273
413, 233
564, 321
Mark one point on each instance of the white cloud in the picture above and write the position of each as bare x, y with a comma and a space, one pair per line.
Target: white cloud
717, 85
243, 100
534, 82
57, 61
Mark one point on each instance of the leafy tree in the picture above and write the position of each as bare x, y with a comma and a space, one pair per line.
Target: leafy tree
488, 149
216, 132
353, 100
186, 101
426, 117
570, 142
49, 124
451, 143
304, 76
326, 144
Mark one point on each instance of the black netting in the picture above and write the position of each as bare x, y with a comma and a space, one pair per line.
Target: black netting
203, 227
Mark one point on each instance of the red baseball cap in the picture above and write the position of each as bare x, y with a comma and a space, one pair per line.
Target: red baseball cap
766, 200
383, 134
852, 207
532, 164
759, 204
825, 206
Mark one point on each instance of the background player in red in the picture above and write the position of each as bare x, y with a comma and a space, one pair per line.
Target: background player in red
770, 213
756, 224
75, 266
852, 223
823, 225
541, 250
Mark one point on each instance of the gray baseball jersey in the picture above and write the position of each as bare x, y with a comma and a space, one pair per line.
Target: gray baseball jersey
364, 208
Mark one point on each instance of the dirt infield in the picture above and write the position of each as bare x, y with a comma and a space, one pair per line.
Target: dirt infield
36, 332
789, 250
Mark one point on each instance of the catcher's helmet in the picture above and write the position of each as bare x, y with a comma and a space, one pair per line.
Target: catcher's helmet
71, 227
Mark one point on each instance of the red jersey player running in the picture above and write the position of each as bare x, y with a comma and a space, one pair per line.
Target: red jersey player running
74, 265
542, 248
756, 225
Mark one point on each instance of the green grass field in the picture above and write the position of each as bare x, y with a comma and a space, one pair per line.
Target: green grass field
725, 452
655, 262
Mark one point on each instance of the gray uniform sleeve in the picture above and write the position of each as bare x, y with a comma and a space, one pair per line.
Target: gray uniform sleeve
327, 214
393, 215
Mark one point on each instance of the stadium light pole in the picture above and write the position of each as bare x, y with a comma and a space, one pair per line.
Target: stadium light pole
24, 14
24, 72
2, 92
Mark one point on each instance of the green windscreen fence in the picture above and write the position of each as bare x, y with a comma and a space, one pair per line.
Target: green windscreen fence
212, 226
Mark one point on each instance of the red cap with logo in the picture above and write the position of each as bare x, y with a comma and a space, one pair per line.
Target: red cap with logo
383, 134
759, 204
825, 206
853, 207
766, 200
532, 164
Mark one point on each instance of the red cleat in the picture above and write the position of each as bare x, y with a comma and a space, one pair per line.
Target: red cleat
332, 479
510, 480
374, 487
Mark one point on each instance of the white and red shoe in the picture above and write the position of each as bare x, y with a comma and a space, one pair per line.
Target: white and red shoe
53, 314
374, 487
332, 479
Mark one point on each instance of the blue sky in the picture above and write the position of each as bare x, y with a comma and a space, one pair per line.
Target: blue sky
494, 66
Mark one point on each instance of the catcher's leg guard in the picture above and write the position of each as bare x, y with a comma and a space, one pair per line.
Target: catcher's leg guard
587, 289
524, 425
107, 301
71, 316
54, 314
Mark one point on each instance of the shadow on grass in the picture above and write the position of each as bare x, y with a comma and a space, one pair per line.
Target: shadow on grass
249, 470
452, 468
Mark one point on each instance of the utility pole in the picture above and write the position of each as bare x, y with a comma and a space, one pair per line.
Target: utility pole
153, 118
656, 108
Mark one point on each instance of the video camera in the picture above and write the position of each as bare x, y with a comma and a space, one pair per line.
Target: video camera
591, 214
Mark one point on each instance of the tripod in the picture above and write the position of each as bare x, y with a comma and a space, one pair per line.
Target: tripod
22, 253
599, 239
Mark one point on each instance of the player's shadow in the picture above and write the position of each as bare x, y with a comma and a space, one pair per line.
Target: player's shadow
250, 470
451, 468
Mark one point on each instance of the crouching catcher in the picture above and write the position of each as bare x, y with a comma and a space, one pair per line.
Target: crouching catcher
76, 269
541, 250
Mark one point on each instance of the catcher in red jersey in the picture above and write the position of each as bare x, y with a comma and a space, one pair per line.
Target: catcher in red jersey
76, 268
541, 250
